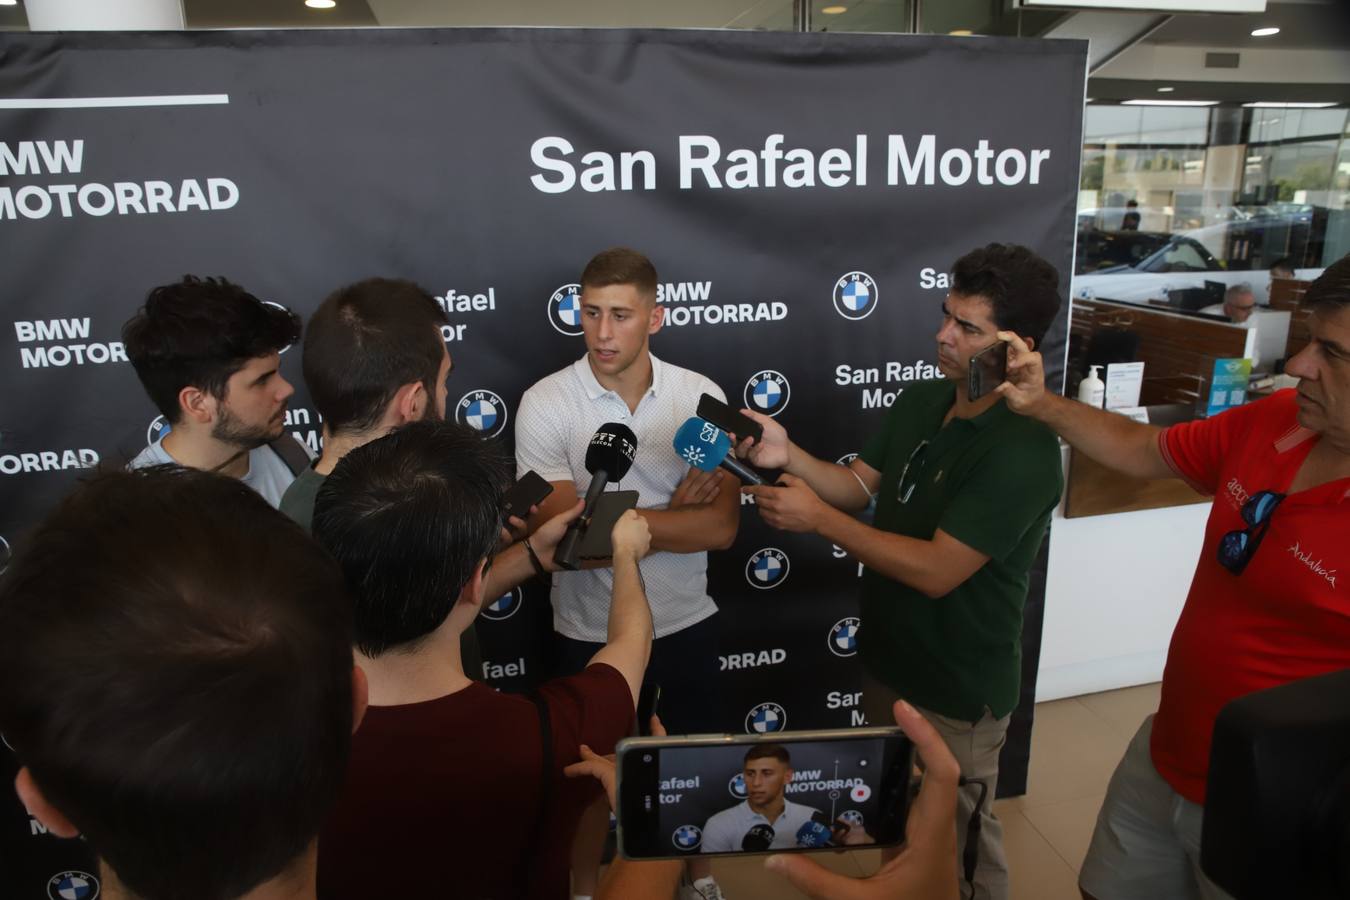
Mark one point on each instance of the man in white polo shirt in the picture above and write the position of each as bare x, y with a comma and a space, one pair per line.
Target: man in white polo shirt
688, 512
618, 380
767, 773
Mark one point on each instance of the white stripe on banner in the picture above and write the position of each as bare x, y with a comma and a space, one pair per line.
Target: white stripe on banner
106, 102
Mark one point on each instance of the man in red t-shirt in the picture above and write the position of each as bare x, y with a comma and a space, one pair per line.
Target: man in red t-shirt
455, 789
1270, 599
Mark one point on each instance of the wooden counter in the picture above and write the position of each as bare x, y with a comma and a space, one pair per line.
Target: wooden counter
1094, 490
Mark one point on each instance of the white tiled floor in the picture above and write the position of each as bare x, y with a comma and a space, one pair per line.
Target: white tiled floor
1075, 745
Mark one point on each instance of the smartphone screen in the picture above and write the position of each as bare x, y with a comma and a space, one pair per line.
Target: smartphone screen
724, 795
712, 410
988, 369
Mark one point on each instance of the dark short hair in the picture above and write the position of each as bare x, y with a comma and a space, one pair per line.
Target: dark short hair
409, 517
176, 674
1022, 288
363, 343
1284, 262
1331, 290
198, 332
620, 265
769, 751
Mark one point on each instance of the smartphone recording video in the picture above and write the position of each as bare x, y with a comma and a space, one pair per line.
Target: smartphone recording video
805, 791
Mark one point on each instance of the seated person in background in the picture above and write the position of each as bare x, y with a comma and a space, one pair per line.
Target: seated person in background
1238, 303
1282, 268
447, 773
209, 353
188, 715
767, 773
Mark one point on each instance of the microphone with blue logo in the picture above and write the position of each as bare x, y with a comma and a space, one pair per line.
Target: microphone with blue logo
815, 833
704, 446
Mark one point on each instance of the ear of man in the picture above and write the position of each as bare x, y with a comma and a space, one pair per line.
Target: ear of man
39, 808
409, 403
196, 405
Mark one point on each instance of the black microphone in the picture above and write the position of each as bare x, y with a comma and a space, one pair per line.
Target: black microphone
608, 458
759, 837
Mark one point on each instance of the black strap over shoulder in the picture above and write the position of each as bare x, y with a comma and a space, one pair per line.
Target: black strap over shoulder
291, 453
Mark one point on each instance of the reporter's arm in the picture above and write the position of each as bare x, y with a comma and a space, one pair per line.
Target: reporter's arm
1111, 439
843, 487
629, 642
513, 565
935, 568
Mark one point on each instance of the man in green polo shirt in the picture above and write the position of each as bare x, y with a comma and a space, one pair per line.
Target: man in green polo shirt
963, 490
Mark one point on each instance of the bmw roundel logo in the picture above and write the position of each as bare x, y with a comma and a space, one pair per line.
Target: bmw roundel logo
483, 411
158, 429
767, 568
73, 885
736, 786
846, 459
767, 392
851, 818
766, 718
504, 607
687, 837
283, 309
6, 554
843, 639
564, 310
855, 295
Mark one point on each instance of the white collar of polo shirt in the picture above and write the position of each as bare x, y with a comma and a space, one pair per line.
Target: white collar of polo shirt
595, 390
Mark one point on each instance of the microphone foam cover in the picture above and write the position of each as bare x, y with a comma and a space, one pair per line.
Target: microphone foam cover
701, 444
611, 449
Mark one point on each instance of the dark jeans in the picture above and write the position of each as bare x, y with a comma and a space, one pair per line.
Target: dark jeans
684, 664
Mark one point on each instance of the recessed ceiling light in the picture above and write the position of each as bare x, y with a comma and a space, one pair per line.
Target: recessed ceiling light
1265, 32
833, 10
1272, 104
9, 2
1170, 103
962, 32
1166, 90
321, 4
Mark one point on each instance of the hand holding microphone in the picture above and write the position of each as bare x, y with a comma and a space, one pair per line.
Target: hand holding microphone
705, 446
609, 456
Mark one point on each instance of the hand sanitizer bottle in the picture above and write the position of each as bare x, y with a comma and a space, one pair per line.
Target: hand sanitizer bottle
1091, 390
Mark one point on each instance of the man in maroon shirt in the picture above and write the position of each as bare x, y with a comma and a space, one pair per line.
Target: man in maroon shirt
1265, 606
455, 789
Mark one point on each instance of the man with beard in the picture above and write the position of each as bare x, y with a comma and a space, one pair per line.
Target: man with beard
208, 354
374, 360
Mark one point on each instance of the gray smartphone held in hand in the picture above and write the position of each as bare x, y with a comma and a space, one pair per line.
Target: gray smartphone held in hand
988, 369
723, 794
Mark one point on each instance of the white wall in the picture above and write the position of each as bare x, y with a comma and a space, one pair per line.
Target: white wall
1115, 588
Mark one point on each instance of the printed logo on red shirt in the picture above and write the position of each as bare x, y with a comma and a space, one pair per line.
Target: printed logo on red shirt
1315, 565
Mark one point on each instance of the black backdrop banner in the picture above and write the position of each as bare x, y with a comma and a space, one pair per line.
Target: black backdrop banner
802, 197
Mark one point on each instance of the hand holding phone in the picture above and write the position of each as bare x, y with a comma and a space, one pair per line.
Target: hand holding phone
924, 870
729, 420
673, 793
988, 369
529, 491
